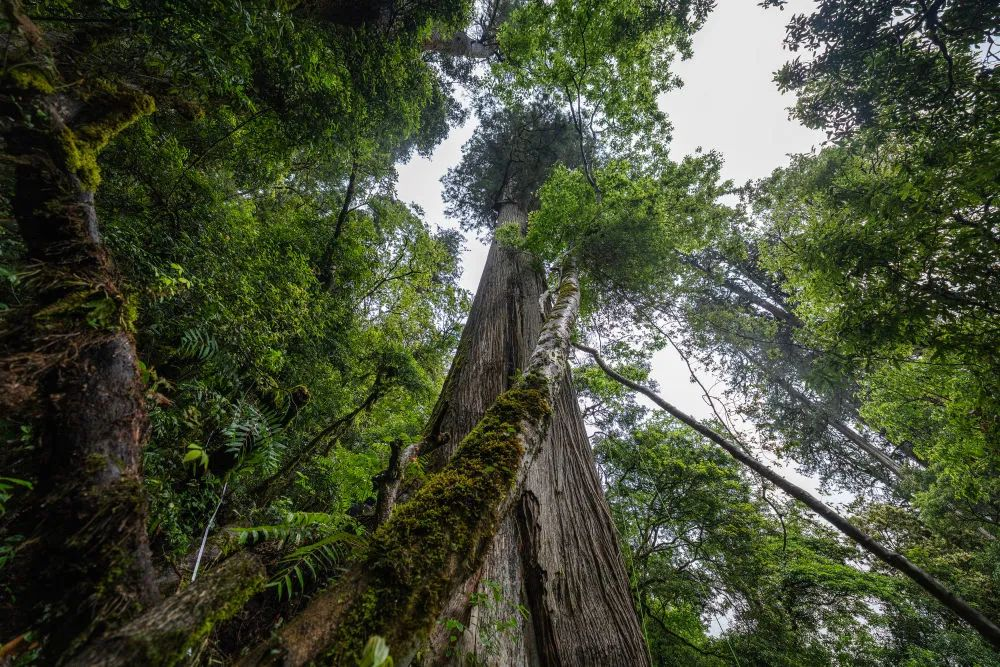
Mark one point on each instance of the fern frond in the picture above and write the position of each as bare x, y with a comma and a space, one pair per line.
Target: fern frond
197, 344
321, 545
296, 527
306, 563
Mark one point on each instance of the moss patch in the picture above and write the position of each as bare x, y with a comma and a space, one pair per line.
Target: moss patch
98, 306
108, 109
118, 107
414, 558
28, 78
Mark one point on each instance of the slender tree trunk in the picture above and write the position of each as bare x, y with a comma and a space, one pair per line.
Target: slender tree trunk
460, 44
558, 541
834, 422
326, 268
985, 626
68, 364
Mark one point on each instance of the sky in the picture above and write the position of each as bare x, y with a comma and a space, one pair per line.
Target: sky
728, 103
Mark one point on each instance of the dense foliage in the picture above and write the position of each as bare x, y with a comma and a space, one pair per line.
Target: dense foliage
293, 317
294, 320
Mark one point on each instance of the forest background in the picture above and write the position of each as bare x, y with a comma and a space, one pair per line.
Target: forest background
243, 421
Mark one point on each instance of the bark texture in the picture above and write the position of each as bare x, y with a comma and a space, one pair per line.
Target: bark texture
436, 541
164, 634
556, 553
68, 364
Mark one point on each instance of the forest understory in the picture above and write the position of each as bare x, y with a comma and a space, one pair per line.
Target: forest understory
250, 416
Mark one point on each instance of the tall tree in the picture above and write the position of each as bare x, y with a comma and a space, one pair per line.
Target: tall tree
609, 54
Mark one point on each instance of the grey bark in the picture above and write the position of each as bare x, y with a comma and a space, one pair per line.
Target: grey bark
388, 481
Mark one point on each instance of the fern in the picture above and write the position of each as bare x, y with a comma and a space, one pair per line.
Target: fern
252, 434
7, 487
197, 344
306, 564
320, 546
296, 527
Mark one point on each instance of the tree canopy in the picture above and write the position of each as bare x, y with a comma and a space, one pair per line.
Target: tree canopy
227, 346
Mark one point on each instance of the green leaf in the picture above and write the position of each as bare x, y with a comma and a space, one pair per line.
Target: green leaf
376, 653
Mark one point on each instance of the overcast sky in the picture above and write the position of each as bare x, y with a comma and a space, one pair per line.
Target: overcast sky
728, 103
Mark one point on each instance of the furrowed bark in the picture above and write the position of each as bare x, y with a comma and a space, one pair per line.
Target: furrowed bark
560, 533
436, 541
164, 634
68, 364
987, 629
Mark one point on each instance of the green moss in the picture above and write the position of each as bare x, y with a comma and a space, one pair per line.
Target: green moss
29, 78
566, 290
250, 586
172, 645
119, 107
108, 109
413, 557
112, 575
95, 305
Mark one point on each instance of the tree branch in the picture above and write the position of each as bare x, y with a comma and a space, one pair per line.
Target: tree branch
987, 629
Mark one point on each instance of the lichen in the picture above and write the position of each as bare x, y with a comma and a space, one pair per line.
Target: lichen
413, 557
567, 289
118, 107
108, 109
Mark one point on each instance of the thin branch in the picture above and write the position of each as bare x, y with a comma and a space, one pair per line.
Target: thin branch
986, 628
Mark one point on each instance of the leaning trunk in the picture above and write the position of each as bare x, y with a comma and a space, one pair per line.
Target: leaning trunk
985, 626
437, 539
556, 552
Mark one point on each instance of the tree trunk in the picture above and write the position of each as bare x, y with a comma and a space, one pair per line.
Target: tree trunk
437, 540
834, 422
556, 552
68, 364
166, 633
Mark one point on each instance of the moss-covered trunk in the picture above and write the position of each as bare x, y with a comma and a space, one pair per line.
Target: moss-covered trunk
556, 551
168, 633
436, 541
68, 366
